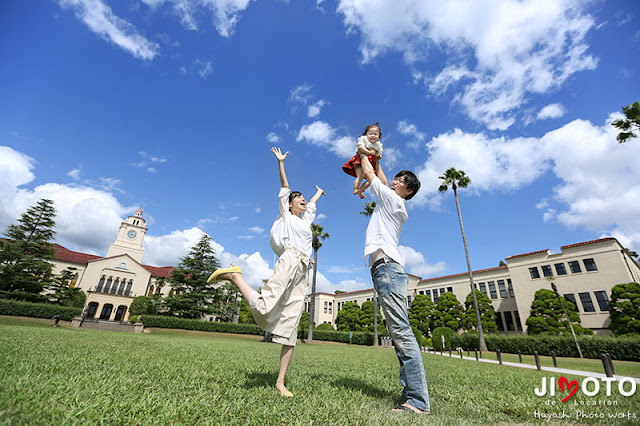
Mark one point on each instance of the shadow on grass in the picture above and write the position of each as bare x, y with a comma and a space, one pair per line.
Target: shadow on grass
260, 380
354, 384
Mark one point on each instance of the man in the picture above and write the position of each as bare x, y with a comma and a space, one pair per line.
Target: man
390, 281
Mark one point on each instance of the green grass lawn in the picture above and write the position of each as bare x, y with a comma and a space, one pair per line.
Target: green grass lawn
623, 368
73, 376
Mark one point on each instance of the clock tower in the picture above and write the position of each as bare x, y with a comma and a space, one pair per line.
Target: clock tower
130, 236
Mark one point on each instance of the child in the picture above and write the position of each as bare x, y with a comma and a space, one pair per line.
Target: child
278, 308
368, 144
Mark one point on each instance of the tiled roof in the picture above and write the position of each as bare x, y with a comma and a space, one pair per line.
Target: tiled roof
348, 292
66, 255
589, 242
528, 254
497, 268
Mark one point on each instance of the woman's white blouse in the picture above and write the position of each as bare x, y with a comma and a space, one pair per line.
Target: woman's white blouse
289, 230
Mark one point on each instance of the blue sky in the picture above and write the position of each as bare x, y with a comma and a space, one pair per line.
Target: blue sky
173, 105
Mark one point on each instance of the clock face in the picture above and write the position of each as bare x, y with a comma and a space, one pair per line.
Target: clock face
132, 234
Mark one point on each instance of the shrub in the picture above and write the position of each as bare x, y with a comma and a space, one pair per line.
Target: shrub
37, 310
448, 334
191, 324
133, 318
324, 326
139, 305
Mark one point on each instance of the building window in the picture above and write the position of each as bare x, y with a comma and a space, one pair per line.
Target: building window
587, 304
122, 285
450, 289
510, 287
502, 288
409, 301
492, 290
114, 288
483, 288
330, 307
546, 271
91, 312
499, 321
421, 292
428, 293
603, 300
560, 269
108, 285
127, 292
106, 312
509, 320
325, 306
443, 291
534, 272
575, 267
569, 297
590, 264
435, 295
518, 323
100, 284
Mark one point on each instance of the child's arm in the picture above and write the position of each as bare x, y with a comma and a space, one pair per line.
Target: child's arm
316, 197
280, 157
365, 151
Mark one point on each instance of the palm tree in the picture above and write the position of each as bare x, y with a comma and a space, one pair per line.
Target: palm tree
368, 211
457, 178
318, 234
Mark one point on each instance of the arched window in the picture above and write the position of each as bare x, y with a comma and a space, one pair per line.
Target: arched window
150, 291
114, 288
93, 307
159, 289
106, 311
108, 286
120, 313
74, 280
128, 290
100, 284
122, 284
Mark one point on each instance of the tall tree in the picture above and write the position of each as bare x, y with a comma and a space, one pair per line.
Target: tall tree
193, 297
625, 309
368, 211
630, 124
487, 313
348, 319
547, 316
367, 316
421, 314
458, 178
23, 264
318, 234
448, 312
62, 292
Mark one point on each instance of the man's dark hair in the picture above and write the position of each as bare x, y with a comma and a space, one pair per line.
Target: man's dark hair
412, 182
295, 194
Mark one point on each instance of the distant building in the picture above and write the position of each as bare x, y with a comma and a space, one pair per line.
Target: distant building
584, 274
111, 282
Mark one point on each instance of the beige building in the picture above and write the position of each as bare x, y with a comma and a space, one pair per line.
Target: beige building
113, 281
584, 273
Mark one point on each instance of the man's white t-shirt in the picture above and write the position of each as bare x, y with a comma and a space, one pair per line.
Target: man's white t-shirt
386, 222
290, 230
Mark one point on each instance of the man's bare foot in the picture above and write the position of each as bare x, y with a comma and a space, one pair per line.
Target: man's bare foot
283, 390
406, 407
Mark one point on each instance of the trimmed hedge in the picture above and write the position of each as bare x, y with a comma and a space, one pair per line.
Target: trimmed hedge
37, 310
192, 324
627, 349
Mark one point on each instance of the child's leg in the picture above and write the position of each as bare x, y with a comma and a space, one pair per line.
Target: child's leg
359, 177
362, 188
285, 358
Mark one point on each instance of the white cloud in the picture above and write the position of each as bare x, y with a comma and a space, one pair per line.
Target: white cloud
101, 20
274, 138
391, 158
408, 129
323, 285
416, 264
74, 174
314, 110
339, 270
321, 216
551, 111
320, 133
256, 230
301, 94
499, 52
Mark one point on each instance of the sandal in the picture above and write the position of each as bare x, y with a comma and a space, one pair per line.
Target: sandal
408, 407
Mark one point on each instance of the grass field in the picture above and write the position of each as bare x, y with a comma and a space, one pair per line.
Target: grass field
73, 376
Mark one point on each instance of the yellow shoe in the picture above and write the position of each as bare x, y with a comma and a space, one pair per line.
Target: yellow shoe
216, 274
287, 394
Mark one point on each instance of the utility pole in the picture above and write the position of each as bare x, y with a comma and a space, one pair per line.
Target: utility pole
566, 314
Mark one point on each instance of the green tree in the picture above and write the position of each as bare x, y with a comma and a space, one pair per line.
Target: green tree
625, 309
547, 316
448, 334
245, 316
421, 314
318, 234
487, 313
368, 211
139, 306
61, 292
348, 319
23, 264
630, 124
366, 316
304, 321
325, 326
448, 312
193, 297
458, 178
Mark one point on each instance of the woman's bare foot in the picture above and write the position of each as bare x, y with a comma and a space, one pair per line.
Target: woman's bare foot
283, 389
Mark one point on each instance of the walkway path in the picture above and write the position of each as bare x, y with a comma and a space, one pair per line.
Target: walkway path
533, 367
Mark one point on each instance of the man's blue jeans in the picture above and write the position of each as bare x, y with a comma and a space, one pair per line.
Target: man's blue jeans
390, 282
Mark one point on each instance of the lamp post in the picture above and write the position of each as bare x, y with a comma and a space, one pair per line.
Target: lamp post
566, 314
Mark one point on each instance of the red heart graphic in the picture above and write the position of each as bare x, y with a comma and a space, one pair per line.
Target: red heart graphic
572, 387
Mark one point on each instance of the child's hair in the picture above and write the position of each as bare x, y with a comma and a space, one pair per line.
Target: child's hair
412, 182
376, 124
293, 195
